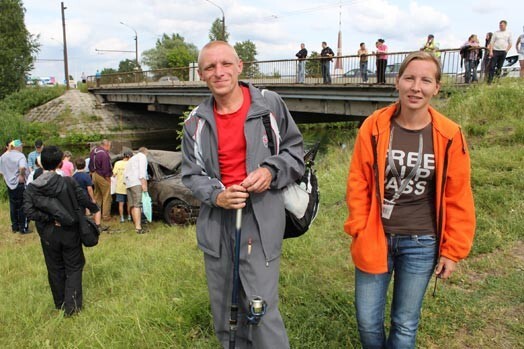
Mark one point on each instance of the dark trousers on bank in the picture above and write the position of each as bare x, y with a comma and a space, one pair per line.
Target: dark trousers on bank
16, 201
496, 64
65, 261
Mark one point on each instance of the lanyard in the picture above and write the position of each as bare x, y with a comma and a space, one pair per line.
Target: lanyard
404, 183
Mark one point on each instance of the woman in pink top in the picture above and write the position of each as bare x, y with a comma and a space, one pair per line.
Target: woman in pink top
382, 61
67, 166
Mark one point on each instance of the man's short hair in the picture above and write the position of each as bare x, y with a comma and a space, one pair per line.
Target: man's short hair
51, 157
143, 150
381, 41
212, 44
324, 43
80, 164
362, 43
39, 143
504, 21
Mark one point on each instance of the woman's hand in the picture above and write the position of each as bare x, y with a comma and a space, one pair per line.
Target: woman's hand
445, 267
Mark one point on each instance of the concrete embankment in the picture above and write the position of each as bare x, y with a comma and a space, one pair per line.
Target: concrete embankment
82, 113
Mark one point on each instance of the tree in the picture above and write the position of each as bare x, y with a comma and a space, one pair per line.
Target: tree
171, 52
247, 51
17, 47
127, 65
107, 71
215, 33
313, 66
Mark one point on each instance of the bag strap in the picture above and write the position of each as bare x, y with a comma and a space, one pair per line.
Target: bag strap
72, 195
269, 132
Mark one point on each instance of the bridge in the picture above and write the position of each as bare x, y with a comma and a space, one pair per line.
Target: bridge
347, 98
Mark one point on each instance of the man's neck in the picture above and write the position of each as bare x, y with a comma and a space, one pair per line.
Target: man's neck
229, 103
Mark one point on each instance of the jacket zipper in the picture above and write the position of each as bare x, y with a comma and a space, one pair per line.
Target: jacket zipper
441, 209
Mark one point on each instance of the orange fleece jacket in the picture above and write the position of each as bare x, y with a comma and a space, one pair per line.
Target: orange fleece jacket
455, 209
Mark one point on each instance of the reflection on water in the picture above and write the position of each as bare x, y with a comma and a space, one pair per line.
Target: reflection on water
326, 134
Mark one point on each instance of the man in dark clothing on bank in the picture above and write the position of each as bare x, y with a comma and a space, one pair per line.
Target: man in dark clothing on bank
301, 71
101, 172
48, 203
327, 56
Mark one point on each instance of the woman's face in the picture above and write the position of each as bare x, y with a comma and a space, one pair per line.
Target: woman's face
417, 85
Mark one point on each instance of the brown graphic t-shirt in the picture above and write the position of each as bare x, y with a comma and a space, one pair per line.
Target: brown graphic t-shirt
414, 210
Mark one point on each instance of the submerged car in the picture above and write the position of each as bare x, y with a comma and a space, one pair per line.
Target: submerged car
170, 198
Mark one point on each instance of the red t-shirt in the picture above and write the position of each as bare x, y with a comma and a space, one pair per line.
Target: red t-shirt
232, 142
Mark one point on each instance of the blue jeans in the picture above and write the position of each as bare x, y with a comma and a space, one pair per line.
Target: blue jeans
412, 260
326, 76
471, 70
364, 71
301, 75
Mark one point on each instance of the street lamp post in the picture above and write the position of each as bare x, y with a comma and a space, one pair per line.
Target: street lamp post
223, 19
136, 43
66, 69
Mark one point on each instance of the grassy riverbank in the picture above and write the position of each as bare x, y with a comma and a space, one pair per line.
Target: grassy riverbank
149, 291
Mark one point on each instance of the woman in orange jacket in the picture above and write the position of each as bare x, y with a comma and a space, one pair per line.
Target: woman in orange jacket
410, 203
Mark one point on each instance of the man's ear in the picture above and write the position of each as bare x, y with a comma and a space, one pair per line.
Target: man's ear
240, 65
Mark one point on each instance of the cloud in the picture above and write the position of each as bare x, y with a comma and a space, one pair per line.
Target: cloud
384, 19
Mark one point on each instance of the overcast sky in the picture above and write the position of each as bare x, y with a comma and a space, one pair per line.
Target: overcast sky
277, 27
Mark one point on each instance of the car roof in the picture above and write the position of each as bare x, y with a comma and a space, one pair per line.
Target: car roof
165, 158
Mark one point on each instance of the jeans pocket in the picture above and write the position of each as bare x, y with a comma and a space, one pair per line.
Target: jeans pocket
426, 240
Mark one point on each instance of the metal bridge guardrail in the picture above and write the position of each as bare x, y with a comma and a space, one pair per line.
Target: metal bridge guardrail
345, 70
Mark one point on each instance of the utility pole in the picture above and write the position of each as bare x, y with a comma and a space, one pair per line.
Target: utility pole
223, 19
66, 69
136, 44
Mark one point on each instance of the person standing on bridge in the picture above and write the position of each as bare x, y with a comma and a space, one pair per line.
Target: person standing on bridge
363, 56
327, 56
301, 71
498, 49
228, 166
382, 60
410, 204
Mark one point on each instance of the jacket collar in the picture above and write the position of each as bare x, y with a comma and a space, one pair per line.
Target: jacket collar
258, 105
441, 124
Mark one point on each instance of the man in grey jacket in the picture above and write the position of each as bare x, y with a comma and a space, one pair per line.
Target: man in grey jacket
227, 165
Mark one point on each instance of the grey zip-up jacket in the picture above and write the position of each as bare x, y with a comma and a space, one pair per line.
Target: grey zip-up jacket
201, 169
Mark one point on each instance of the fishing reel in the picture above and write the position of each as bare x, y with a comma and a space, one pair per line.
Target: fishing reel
257, 309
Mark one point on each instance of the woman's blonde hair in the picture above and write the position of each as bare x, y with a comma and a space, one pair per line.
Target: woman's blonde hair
421, 56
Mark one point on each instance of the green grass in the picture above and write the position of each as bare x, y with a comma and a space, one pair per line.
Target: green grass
149, 291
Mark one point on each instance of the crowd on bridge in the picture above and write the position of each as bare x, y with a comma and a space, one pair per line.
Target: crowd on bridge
492, 55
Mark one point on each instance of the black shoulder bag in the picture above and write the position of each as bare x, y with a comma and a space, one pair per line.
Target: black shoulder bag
89, 231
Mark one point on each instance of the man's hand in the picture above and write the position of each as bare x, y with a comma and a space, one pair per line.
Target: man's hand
445, 267
258, 180
233, 197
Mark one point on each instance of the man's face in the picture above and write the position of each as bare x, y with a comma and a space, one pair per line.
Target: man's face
302, 46
324, 45
502, 26
39, 150
107, 146
219, 67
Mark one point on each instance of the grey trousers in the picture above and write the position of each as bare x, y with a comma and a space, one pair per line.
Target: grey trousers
258, 278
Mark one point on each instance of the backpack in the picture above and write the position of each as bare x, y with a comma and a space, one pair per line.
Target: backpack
301, 198
463, 53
